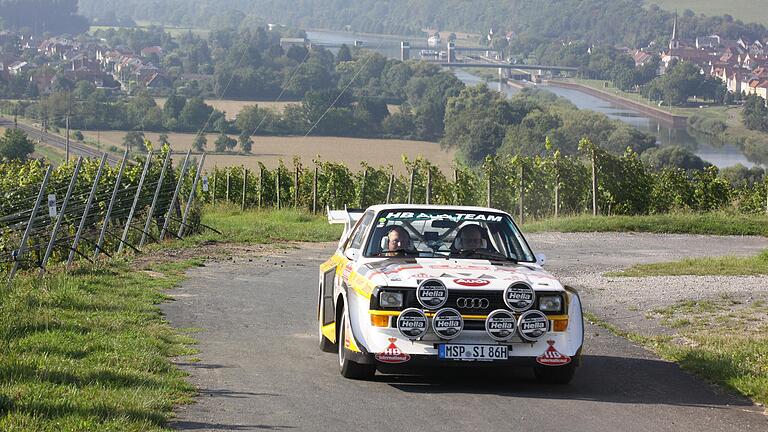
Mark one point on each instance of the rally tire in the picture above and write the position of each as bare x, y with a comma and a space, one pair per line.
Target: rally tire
347, 367
558, 375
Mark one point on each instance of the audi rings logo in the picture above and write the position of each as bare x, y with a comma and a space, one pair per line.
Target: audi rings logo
432, 294
472, 303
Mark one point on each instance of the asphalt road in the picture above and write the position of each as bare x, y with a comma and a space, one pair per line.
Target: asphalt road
260, 369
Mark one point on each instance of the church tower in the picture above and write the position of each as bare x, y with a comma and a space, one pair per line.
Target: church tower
674, 43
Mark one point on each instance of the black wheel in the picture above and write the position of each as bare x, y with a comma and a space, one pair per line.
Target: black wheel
348, 368
560, 375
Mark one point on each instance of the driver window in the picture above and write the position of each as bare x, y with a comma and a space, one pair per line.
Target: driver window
362, 227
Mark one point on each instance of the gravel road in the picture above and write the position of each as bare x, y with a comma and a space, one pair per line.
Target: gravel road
260, 367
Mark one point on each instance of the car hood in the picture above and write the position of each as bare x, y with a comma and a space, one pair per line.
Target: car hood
457, 274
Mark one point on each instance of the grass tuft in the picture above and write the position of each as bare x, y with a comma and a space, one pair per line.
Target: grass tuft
682, 223
717, 266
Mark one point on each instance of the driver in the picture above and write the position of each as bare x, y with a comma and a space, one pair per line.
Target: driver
398, 240
469, 237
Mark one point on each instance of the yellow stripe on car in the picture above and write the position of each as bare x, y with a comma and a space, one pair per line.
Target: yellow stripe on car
329, 331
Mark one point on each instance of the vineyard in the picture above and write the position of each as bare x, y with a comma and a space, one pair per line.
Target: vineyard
86, 208
107, 209
527, 187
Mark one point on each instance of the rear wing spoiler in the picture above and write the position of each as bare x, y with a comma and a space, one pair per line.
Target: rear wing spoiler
348, 217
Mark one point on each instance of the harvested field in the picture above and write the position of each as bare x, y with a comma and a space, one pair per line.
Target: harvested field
270, 150
233, 107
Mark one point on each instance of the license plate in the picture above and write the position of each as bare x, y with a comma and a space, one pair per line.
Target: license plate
472, 352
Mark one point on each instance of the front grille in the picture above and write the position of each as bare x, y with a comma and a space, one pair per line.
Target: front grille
475, 302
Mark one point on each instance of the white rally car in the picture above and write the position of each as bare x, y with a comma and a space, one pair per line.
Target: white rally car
415, 285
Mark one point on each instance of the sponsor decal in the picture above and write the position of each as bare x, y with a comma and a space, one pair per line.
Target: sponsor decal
553, 357
392, 354
432, 294
347, 272
447, 323
456, 217
471, 282
412, 323
501, 325
532, 325
519, 296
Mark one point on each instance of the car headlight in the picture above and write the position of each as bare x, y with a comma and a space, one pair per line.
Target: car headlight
550, 303
390, 299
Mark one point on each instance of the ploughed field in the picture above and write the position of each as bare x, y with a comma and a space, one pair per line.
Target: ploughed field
271, 149
233, 107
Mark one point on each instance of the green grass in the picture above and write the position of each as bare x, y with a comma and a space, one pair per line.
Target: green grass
724, 341
682, 223
717, 266
266, 226
88, 350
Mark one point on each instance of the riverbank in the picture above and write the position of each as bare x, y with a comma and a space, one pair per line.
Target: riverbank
668, 119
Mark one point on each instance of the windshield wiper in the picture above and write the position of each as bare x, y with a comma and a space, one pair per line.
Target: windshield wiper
483, 253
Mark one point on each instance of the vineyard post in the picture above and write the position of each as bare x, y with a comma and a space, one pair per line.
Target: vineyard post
488, 190
228, 177
111, 205
391, 183
594, 183
261, 185
167, 220
135, 202
314, 191
428, 194
158, 188
277, 186
521, 192
213, 198
296, 188
31, 222
557, 196
455, 186
410, 185
192, 194
61, 216
362, 187
88, 203
766, 193
245, 182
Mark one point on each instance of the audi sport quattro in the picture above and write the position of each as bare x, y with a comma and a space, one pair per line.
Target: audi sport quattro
443, 285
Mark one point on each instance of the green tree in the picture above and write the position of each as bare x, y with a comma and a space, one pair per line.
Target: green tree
133, 139
755, 113
224, 143
245, 141
15, 145
200, 142
344, 54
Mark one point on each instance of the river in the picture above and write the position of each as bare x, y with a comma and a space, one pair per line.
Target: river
710, 149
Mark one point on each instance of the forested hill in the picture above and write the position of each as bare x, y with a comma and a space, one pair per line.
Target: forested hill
42, 16
626, 22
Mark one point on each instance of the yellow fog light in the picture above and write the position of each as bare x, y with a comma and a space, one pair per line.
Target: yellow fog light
380, 320
560, 325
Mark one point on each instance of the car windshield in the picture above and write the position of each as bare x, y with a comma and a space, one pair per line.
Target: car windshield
447, 233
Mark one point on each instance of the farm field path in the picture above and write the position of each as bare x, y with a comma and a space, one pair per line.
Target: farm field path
260, 367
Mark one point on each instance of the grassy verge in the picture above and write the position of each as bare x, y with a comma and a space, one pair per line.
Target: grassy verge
88, 350
716, 266
266, 226
724, 341
707, 223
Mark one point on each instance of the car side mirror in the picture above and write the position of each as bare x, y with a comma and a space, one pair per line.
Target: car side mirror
541, 259
352, 254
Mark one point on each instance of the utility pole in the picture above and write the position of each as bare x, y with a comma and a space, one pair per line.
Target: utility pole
67, 146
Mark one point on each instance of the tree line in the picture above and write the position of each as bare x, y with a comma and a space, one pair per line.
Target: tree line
42, 16
632, 23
